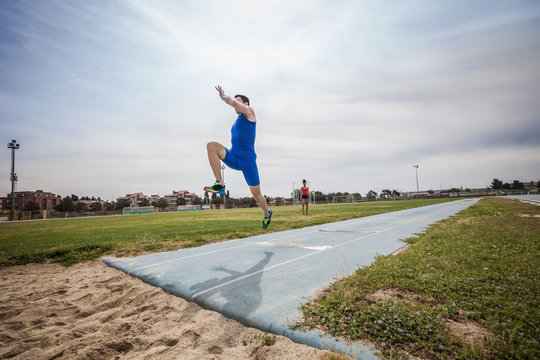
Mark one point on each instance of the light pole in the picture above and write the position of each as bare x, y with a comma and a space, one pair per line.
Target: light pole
13, 146
223, 178
416, 170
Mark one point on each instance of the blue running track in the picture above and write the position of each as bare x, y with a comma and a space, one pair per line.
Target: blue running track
262, 280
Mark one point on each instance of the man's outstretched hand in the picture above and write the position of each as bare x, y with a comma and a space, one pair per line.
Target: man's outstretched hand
221, 92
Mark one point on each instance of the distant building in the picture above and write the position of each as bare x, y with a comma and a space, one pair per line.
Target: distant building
45, 200
90, 202
187, 195
171, 198
134, 199
532, 187
153, 198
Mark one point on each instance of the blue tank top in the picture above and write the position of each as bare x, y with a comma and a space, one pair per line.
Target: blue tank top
243, 135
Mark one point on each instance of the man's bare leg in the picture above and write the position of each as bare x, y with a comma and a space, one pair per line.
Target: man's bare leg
256, 192
216, 152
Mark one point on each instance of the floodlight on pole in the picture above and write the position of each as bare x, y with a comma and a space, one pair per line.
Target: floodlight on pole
223, 179
416, 170
13, 146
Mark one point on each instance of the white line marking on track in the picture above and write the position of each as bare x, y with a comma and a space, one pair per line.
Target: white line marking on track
300, 246
350, 231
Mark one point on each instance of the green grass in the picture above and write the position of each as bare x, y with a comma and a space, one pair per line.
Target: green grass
334, 356
478, 269
264, 339
68, 241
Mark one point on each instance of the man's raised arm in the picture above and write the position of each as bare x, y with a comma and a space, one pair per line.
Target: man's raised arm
237, 105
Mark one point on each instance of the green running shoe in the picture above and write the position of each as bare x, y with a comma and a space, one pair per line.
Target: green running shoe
266, 220
217, 188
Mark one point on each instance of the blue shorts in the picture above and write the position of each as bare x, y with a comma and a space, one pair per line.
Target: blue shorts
245, 162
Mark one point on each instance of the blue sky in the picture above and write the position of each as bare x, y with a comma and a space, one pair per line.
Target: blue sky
115, 97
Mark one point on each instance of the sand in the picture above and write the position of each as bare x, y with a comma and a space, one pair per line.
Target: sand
92, 311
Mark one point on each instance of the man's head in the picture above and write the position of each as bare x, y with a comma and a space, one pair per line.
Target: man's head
243, 99
304, 181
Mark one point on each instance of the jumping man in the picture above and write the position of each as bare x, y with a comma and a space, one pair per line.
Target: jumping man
242, 155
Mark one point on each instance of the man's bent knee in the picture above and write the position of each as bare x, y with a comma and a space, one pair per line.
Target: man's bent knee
215, 147
211, 146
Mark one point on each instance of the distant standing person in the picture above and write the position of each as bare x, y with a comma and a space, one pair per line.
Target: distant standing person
305, 197
241, 156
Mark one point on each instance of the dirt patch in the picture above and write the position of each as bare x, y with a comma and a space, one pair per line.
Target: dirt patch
469, 330
529, 215
466, 329
383, 295
530, 202
466, 221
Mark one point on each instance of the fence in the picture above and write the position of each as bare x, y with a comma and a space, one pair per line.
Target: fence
53, 214
189, 207
138, 210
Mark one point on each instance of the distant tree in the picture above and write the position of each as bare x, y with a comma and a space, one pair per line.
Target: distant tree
371, 195
180, 201
396, 194
496, 184
319, 196
96, 207
507, 186
538, 184
74, 197
197, 201
110, 206
122, 203
353, 197
80, 207
454, 190
206, 198
231, 202
162, 203
144, 202
247, 202
32, 206
66, 205
243, 202
386, 194
517, 185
